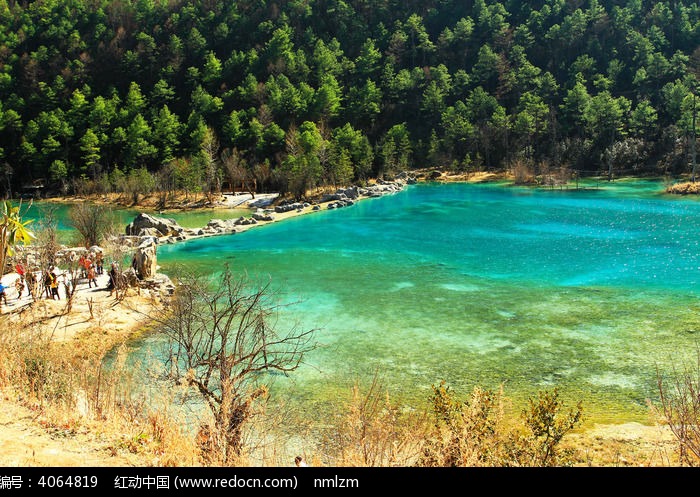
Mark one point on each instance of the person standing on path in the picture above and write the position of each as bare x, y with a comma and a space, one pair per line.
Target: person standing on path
32, 284
47, 282
91, 276
3, 294
99, 263
19, 268
19, 286
84, 263
113, 275
54, 285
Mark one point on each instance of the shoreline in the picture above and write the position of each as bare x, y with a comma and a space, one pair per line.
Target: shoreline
263, 204
263, 209
219, 227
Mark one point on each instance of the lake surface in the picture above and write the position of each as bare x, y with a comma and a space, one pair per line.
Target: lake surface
587, 290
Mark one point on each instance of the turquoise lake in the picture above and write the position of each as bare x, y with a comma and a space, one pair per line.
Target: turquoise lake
588, 290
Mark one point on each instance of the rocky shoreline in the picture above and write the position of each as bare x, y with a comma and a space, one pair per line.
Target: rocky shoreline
149, 229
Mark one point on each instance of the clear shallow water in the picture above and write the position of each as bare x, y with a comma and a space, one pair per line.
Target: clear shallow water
66, 234
587, 290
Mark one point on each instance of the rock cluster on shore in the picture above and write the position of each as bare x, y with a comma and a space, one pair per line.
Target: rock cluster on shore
165, 230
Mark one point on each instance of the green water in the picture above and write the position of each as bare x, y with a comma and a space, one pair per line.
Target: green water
66, 234
121, 217
587, 290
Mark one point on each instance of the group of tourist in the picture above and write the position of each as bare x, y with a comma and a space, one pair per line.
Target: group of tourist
52, 279
30, 281
23, 279
91, 265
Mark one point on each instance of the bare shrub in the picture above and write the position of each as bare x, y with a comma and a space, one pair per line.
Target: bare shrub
523, 173
139, 182
374, 432
238, 171
477, 432
680, 409
164, 185
93, 223
564, 174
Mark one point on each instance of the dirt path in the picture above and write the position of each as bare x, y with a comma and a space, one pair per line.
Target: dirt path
26, 438
25, 442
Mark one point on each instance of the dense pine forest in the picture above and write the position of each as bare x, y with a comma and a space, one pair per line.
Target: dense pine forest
131, 95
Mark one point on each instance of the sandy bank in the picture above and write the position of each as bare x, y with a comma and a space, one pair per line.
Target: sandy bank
30, 436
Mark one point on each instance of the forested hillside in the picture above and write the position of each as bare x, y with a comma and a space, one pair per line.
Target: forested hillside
136, 94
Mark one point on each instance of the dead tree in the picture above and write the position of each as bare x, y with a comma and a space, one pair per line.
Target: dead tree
224, 343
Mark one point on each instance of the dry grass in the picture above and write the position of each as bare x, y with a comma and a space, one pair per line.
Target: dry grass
371, 431
176, 201
626, 445
684, 188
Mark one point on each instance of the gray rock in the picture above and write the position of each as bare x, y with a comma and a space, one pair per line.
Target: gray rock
144, 261
160, 283
148, 239
150, 232
333, 196
264, 201
164, 226
289, 207
217, 224
263, 216
351, 193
